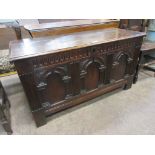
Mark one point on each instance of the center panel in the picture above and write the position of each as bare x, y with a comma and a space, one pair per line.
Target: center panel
92, 77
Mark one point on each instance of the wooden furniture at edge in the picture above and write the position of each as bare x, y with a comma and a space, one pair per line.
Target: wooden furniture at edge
66, 27
4, 110
9, 31
63, 71
133, 24
147, 48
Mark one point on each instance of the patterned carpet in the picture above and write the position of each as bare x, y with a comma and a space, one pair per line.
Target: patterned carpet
6, 68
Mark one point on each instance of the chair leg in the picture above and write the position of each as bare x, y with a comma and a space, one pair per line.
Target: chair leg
7, 127
5, 113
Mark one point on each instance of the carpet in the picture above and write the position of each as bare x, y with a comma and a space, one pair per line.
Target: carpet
121, 112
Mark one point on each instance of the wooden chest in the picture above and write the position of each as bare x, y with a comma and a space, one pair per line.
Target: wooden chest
63, 71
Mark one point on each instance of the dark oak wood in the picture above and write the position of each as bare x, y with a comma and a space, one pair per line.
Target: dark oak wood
4, 110
63, 71
137, 25
66, 27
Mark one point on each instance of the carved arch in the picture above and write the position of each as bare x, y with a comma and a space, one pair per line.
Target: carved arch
120, 54
86, 63
94, 67
59, 70
121, 65
53, 83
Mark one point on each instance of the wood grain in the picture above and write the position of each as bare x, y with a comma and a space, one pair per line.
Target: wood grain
66, 27
40, 46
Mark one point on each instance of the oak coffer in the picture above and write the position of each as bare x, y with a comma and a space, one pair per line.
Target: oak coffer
63, 71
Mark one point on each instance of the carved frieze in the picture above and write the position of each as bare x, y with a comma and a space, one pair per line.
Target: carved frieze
83, 53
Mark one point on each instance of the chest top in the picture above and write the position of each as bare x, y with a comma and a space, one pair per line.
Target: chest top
27, 48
